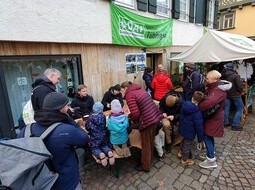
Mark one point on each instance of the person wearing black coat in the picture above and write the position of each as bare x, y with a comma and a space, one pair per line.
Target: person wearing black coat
147, 77
82, 103
110, 95
233, 97
43, 86
170, 105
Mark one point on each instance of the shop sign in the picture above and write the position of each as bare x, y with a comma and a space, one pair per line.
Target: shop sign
134, 30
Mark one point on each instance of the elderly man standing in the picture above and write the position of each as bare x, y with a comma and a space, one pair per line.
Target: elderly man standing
43, 86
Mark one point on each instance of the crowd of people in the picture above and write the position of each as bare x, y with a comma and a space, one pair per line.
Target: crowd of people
159, 111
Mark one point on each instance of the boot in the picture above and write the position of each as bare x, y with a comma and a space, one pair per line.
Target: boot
208, 163
126, 150
118, 150
187, 162
168, 148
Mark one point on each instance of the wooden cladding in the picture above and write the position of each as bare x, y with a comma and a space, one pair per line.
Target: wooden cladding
102, 65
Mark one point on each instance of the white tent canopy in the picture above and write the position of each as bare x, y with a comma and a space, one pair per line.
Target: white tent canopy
216, 46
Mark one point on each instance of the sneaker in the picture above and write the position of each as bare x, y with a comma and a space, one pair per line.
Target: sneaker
234, 128
202, 155
208, 164
179, 154
187, 162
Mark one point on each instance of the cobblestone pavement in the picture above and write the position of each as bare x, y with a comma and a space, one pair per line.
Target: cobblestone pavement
236, 168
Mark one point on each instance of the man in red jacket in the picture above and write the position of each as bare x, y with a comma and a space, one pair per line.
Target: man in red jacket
145, 112
161, 83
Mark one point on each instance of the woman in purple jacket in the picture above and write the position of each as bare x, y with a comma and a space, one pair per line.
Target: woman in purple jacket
213, 127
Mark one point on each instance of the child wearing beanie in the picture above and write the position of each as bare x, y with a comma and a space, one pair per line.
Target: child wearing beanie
117, 125
96, 126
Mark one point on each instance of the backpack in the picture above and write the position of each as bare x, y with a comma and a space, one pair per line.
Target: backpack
24, 161
28, 111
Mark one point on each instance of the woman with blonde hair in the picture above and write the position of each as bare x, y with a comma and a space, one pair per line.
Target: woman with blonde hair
214, 126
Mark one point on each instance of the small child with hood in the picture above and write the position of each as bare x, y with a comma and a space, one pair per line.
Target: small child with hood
117, 125
96, 126
191, 124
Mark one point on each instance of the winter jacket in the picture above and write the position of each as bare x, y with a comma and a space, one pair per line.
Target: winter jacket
191, 83
148, 79
191, 121
96, 126
117, 125
109, 97
84, 105
143, 110
216, 95
175, 110
161, 83
42, 87
237, 87
61, 143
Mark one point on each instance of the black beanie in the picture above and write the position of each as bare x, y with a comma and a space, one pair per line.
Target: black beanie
55, 101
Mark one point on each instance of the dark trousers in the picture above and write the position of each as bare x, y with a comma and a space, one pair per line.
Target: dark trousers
147, 137
186, 148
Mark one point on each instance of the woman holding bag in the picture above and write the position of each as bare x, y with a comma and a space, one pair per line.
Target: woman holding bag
214, 126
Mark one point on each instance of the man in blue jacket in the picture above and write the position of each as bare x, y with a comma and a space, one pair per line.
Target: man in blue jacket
62, 142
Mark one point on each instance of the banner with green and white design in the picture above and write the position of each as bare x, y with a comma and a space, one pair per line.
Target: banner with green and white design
134, 30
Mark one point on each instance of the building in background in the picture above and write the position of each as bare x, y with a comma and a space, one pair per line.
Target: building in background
237, 16
76, 37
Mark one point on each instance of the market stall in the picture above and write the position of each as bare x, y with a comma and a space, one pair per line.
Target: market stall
216, 46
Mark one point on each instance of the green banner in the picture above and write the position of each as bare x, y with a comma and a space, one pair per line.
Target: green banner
135, 30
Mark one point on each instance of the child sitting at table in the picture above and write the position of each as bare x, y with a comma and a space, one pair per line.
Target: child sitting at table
117, 125
96, 126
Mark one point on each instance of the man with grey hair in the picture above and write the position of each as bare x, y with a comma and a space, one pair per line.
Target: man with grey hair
43, 86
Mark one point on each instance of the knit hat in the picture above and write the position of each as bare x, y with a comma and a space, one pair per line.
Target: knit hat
116, 106
116, 87
229, 66
55, 101
191, 65
171, 100
98, 107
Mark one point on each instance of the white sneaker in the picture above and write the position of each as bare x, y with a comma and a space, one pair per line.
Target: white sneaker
208, 163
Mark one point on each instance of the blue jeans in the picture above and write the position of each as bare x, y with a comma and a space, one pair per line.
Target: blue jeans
209, 143
239, 110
